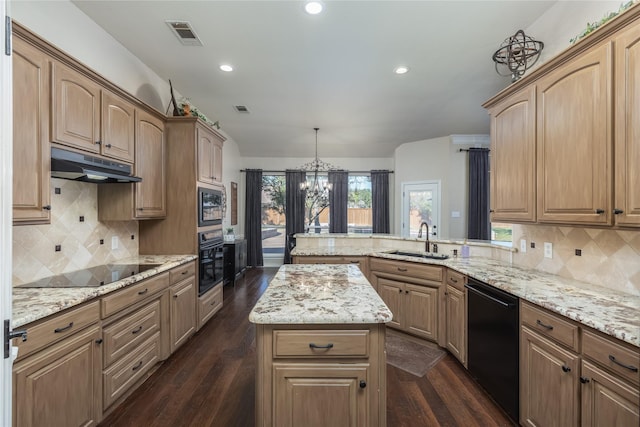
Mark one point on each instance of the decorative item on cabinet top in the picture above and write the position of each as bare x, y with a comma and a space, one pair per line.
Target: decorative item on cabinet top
186, 109
518, 53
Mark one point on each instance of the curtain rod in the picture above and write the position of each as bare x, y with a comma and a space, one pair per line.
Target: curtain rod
469, 149
311, 170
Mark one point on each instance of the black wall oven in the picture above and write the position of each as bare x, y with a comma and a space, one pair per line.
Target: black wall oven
209, 207
211, 259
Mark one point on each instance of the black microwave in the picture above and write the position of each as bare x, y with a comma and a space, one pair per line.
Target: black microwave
209, 207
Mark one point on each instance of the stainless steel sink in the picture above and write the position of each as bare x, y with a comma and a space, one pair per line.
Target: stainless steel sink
420, 255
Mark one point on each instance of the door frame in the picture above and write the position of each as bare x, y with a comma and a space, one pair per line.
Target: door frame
404, 231
6, 197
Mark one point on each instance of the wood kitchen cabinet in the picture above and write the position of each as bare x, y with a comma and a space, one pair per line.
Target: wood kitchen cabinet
235, 260
361, 261
513, 158
118, 127
145, 199
456, 315
415, 295
209, 154
627, 128
183, 311
31, 156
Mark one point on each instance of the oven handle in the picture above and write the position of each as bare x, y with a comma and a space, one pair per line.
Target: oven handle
490, 297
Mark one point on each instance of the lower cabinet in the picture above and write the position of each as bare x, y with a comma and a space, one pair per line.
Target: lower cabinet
183, 313
455, 302
209, 304
320, 375
60, 385
360, 261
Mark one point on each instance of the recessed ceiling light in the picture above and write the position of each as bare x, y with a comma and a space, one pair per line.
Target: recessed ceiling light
401, 70
226, 67
313, 7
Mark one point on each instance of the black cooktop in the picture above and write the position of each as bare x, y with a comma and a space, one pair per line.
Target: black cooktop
91, 277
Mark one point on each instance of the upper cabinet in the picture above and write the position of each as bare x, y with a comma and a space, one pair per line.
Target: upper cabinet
513, 158
574, 141
150, 200
627, 127
209, 155
31, 157
566, 137
87, 117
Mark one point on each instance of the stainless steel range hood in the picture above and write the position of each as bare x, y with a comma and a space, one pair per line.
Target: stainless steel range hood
82, 167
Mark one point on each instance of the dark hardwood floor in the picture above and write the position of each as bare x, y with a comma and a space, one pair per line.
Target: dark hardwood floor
209, 381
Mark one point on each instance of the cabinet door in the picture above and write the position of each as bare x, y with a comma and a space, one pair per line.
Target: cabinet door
205, 155
421, 311
321, 395
456, 323
606, 400
627, 127
575, 141
513, 158
31, 156
548, 383
150, 200
391, 293
183, 312
118, 127
61, 385
76, 110
216, 162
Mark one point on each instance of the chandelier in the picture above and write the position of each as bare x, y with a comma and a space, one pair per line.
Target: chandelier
316, 188
518, 53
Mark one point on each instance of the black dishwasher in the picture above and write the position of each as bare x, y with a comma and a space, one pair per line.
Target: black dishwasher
493, 342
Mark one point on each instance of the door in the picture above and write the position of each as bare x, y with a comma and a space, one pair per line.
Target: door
392, 294
420, 203
150, 166
205, 153
6, 186
455, 322
118, 127
421, 311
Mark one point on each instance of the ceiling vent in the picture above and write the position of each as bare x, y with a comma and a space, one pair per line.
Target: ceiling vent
184, 32
241, 109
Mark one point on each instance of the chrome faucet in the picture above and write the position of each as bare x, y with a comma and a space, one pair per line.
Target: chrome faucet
426, 243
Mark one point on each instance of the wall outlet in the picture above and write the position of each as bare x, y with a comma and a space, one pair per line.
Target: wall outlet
523, 245
114, 242
331, 242
548, 250
455, 214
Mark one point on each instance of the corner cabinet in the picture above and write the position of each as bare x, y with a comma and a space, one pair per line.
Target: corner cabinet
31, 156
209, 155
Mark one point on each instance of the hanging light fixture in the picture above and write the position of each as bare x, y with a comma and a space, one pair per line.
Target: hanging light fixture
316, 189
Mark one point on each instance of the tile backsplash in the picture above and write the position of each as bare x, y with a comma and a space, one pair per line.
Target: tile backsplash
34, 246
609, 258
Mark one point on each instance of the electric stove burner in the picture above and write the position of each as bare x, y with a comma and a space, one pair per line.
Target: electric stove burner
91, 277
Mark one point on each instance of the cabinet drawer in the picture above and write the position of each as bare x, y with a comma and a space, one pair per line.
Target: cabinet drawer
409, 269
127, 371
348, 343
57, 327
182, 272
455, 279
209, 304
550, 325
621, 360
126, 334
135, 293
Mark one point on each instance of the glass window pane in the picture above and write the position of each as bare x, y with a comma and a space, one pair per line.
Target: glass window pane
273, 218
359, 212
420, 210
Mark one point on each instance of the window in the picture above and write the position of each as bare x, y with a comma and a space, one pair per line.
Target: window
359, 213
273, 218
316, 217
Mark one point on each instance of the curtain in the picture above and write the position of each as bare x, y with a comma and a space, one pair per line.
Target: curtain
253, 217
294, 209
338, 199
479, 227
380, 200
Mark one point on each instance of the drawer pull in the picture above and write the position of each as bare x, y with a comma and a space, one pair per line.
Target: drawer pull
565, 368
135, 368
136, 330
584, 380
402, 269
66, 328
547, 327
354, 262
454, 280
629, 367
176, 296
143, 292
315, 346
184, 272
99, 341
213, 303
363, 383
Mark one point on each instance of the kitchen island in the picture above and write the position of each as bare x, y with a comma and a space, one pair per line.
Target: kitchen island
320, 344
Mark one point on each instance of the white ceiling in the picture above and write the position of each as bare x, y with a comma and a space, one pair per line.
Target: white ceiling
334, 71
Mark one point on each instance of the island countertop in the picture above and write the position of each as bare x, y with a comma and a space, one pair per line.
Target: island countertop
319, 294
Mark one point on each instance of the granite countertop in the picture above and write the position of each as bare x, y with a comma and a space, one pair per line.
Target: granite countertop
611, 312
31, 304
319, 294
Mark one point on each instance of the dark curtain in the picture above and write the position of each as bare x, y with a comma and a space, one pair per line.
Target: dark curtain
294, 209
253, 217
479, 227
338, 199
380, 200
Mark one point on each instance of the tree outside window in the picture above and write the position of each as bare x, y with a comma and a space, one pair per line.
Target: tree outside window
359, 212
273, 217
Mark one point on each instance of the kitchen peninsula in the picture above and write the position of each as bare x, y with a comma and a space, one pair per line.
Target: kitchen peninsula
320, 339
